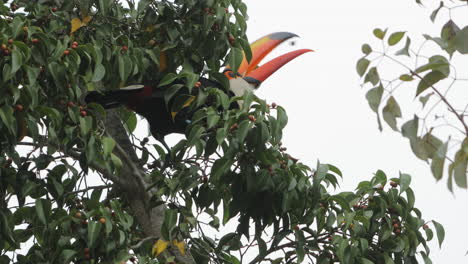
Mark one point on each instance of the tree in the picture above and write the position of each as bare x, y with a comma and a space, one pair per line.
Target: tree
438, 130
78, 185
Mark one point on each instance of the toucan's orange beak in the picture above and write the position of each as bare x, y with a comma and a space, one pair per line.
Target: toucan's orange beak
257, 76
262, 47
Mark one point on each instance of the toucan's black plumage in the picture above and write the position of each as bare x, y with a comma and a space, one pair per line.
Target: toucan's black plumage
149, 102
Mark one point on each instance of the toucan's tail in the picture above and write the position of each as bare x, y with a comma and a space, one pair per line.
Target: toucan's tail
113, 98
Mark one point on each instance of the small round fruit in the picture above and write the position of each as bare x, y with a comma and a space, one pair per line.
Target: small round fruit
296, 227
234, 127
83, 113
198, 84
102, 220
25, 29
54, 9
70, 104
10, 41
4, 47
152, 42
35, 40
394, 184
19, 107
75, 43
273, 105
66, 52
396, 225
425, 226
78, 215
74, 46
124, 48
252, 118
397, 231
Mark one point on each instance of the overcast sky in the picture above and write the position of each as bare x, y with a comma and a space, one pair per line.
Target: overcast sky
329, 118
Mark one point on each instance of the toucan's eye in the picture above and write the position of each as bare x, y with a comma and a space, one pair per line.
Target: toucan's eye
229, 74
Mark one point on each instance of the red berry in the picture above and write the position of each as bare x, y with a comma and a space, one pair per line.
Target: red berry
252, 118
273, 105
102, 220
19, 107
66, 52
74, 46
54, 9
396, 225
75, 43
296, 227
124, 48
198, 84
35, 40
393, 184
425, 226
83, 113
78, 214
397, 231
6, 52
4, 47
234, 127
70, 104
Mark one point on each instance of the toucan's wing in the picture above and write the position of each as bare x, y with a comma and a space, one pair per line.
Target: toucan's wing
258, 75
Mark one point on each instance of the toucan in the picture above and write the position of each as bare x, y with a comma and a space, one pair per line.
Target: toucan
148, 100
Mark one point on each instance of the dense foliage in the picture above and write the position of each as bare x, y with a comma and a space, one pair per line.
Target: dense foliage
77, 185
437, 131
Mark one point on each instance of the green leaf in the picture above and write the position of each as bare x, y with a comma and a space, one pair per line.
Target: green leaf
395, 38
440, 232
281, 116
438, 161
372, 76
366, 261
429, 80
17, 60
235, 58
67, 255
167, 79
42, 210
362, 65
374, 97
94, 230
366, 49
461, 41
405, 49
405, 180
108, 145
434, 13
378, 33
406, 78
99, 73
459, 167
391, 112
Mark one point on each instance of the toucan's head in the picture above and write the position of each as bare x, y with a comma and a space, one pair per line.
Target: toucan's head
253, 74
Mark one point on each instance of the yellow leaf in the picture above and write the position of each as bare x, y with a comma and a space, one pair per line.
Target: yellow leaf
159, 247
189, 101
186, 104
75, 24
162, 61
86, 20
180, 245
150, 28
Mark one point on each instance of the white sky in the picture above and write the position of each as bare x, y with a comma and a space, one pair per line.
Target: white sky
329, 118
